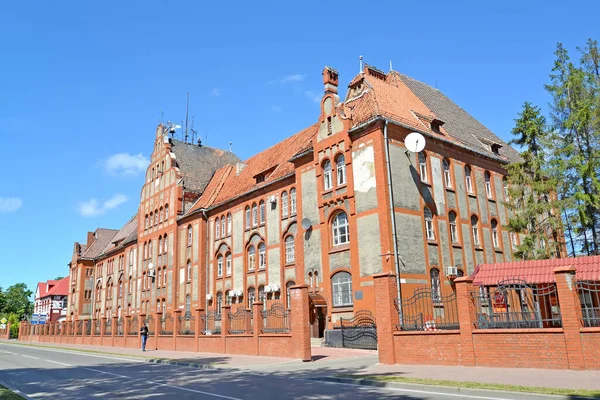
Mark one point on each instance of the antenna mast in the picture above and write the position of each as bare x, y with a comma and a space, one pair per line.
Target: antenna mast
192, 129
187, 108
360, 58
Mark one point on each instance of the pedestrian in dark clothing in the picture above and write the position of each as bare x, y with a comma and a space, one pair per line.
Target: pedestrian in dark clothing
144, 335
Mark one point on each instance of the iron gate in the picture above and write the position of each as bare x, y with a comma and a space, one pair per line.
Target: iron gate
360, 331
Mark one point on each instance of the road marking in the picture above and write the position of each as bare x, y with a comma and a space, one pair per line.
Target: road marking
143, 360
109, 373
57, 362
35, 358
195, 391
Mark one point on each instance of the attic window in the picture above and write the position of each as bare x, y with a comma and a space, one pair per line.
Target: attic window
496, 149
260, 178
376, 73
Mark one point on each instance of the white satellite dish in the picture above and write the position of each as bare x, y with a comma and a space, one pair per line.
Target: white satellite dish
414, 142
306, 224
150, 266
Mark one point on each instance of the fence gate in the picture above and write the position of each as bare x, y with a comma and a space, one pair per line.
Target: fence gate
360, 331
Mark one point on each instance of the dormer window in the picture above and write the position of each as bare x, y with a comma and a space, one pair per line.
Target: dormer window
436, 124
260, 178
496, 149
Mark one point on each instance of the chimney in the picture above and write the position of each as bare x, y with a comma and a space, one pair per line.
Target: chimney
330, 80
90, 238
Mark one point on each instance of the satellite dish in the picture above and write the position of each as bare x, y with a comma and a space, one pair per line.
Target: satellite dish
150, 266
414, 142
306, 224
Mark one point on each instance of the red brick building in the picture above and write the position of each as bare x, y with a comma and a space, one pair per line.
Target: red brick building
51, 299
329, 206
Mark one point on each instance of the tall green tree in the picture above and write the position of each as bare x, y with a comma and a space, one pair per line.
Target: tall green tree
17, 301
536, 210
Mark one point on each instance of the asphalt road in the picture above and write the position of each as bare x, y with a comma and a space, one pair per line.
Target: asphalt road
41, 373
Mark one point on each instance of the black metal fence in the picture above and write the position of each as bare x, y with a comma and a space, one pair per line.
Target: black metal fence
360, 331
187, 324
133, 326
97, 326
166, 324
79, 327
240, 321
108, 327
276, 319
211, 323
119, 331
149, 321
88, 326
589, 298
514, 304
426, 310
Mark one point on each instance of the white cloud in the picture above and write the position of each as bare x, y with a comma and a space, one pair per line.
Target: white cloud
288, 79
125, 164
93, 208
316, 97
10, 204
276, 108
216, 92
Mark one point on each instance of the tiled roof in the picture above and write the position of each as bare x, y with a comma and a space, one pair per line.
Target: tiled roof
536, 271
124, 233
102, 239
43, 286
212, 190
198, 163
61, 288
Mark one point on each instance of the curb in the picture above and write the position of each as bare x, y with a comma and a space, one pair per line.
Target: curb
168, 361
15, 391
447, 389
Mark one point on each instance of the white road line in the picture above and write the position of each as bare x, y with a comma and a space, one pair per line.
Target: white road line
57, 362
35, 358
143, 360
195, 391
108, 373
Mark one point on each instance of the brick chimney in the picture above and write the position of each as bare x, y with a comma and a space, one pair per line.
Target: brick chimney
330, 80
90, 239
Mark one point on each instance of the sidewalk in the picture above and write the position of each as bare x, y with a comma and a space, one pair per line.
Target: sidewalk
333, 361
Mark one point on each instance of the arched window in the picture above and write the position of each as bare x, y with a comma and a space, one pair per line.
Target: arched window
423, 167
288, 298
436, 289
310, 279
284, 204
159, 277
228, 224
293, 201
261, 293
165, 244
161, 215
166, 212
163, 307
475, 230
228, 264
341, 284
150, 220
228, 297
514, 241
468, 180
289, 250
262, 212
164, 276
340, 229
251, 296
146, 223
150, 249
254, 214
155, 217
189, 270
453, 228
220, 265
247, 212
217, 228
188, 304
262, 256
447, 175
340, 164
251, 258
219, 302
160, 245
223, 226
429, 224
495, 240
488, 185
327, 182
190, 235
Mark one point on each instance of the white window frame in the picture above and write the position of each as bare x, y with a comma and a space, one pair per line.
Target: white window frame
327, 181
495, 240
453, 228
189, 271
254, 215
447, 174
488, 185
219, 265
468, 179
423, 167
251, 258
341, 288
217, 228
222, 226
340, 232
340, 164
292, 201
290, 249
261, 206
228, 224
429, 227
248, 214
228, 264
190, 236
475, 230
262, 256
284, 204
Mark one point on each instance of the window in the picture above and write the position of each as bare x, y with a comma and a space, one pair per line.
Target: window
190, 235
262, 256
453, 229
189, 270
254, 214
251, 296
468, 180
495, 233
228, 224
159, 278
327, 183
223, 226
423, 167
64, 302
150, 249
188, 304
288, 297
247, 217
150, 221
340, 164
436, 292
155, 217
289, 249
514, 240
166, 212
475, 230
262, 212
164, 276
220, 265
146, 223
284, 204
261, 293
217, 228
505, 187
219, 302
488, 185
293, 201
251, 256
341, 284
228, 297
340, 229
429, 224
165, 244
160, 218
160, 246
228, 264
460, 273
447, 175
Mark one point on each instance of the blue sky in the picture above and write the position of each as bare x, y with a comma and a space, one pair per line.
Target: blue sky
84, 83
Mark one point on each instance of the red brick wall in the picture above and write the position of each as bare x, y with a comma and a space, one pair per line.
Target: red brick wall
276, 345
431, 348
590, 343
240, 344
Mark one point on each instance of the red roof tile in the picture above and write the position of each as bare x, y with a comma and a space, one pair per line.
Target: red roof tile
60, 289
42, 287
536, 271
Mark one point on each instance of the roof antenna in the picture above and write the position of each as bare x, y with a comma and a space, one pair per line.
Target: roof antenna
187, 108
192, 129
391, 68
360, 58
230, 147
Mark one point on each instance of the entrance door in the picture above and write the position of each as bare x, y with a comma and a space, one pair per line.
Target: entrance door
317, 322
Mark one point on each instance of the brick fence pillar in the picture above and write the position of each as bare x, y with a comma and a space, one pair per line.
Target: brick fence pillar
176, 326
197, 328
126, 325
157, 317
7, 333
300, 322
466, 318
113, 331
570, 310
225, 324
102, 330
386, 315
257, 320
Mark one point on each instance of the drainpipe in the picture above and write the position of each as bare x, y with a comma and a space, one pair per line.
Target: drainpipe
207, 241
392, 214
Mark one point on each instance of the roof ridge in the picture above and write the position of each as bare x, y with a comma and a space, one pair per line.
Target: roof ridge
195, 145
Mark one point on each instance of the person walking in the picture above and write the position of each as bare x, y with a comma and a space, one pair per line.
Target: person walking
144, 335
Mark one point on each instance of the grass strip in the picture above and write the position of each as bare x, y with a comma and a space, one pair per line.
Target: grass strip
7, 394
477, 385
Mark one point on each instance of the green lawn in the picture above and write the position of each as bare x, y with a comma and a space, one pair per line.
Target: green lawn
6, 394
478, 385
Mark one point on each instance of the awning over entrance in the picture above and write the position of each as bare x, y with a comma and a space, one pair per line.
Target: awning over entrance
317, 300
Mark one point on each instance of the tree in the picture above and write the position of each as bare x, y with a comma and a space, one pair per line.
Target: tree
2, 300
532, 190
58, 278
17, 301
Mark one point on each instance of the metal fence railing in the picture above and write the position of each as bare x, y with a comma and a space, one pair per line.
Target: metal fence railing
166, 324
276, 319
427, 309
133, 326
187, 324
240, 321
589, 297
211, 323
